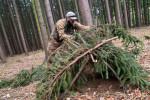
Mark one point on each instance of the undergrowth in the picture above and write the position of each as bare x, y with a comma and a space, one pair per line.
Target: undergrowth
24, 77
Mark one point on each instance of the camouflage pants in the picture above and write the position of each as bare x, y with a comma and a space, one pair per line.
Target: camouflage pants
52, 46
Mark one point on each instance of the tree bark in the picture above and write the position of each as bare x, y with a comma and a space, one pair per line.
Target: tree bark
128, 12
104, 12
42, 26
2, 56
138, 21
77, 9
125, 13
6, 38
85, 13
60, 7
108, 12
3, 45
133, 14
15, 27
63, 7
145, 12
20, 28
49, 14
37, 23
118, 14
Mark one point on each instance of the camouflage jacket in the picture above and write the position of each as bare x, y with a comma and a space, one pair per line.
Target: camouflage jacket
61, 32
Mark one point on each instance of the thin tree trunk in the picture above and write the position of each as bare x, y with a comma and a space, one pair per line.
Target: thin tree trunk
133, 14
49, 14
36, 38
108, 12
37, 23
60, 7
3, 45
138, 21
15, 27
145, 12
77, 9
13, 36
6, 38
125, 13
128, 11
85, 13
42, 26
63, 7
2, 56
20, 28
91, 9
148, 4
104, 12
45, 17
118, 14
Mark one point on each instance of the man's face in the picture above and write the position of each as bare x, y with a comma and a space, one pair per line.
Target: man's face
70, 20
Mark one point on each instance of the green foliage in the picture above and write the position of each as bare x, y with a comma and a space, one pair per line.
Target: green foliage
21, 79
24, 77
5, 83
122, 61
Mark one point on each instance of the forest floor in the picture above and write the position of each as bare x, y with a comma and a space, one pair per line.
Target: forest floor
103, 89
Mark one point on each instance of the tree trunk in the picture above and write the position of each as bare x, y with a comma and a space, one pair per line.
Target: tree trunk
3, 45
37, 23
104, 12
36, 38
20, 28
118, 14
77, 9
63, 7
15, 27
49, 14
108, 12
125, 13
133, 14
85, 13
138, 21
42, 26
6, 38
45, 17
128, 12
145, 12
148, 3
91, 9
60, 7
2, 56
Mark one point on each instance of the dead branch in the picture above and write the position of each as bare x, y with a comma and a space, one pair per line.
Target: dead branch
79, 57
77, 75
113, 71
92, 58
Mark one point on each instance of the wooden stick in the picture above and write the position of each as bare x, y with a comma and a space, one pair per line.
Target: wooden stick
77, 75
79, 57
92, 58
113, 71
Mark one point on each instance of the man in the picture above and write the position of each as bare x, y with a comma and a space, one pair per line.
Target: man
63, 30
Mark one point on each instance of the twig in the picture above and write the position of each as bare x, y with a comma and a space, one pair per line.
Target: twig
77, 75
92, 58
79, 57
113, 71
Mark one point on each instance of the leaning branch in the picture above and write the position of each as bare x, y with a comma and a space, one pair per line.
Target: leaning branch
79, 57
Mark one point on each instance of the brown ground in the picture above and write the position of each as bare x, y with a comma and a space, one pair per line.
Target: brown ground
98, 91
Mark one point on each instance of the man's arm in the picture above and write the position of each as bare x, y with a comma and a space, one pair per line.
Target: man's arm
79, 26
60, 28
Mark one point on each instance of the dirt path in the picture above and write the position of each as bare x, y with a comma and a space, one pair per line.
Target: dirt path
19, 62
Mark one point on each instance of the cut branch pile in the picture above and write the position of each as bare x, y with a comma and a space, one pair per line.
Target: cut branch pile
93, 48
